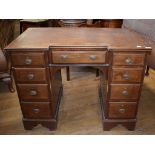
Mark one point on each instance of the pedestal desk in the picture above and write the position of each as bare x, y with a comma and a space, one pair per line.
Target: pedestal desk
38, 55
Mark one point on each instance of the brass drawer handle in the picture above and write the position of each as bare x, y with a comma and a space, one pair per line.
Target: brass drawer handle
33, 92
128, 61
125, 76
93, 57
125, 93
121, 110
64, 56
30, 76
28, 61
36, 110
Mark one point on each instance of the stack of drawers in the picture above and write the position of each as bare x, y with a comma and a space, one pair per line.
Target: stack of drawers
126, 77
32, 81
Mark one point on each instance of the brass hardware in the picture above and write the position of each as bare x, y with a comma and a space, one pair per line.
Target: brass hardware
28, 61
128, 61
147, 47
125, 76
92, 57
36, 110
121, 110
64, 56
33, 92
125, 93
30, 76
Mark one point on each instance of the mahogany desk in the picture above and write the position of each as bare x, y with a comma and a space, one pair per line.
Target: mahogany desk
38, 55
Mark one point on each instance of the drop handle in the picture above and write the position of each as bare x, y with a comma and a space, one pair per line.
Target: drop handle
28, 61
30, 76
125, 93
128, 61
33, 92
121, 110
64, 56
93, 57
125, 76
36, 110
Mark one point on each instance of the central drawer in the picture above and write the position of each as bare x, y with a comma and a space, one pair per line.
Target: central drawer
67, 57
33, 91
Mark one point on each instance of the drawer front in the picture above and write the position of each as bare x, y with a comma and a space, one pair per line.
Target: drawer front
122, 110
36, 110
127, 74
63, 57
128, 59
33, 91
28, 59
30, 74
124, 91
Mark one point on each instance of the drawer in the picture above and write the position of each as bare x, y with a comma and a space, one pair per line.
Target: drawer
30, 74
63, 57
33, 91
128, 59
124, 91
122, 109
36, 110
28, 59
127, 74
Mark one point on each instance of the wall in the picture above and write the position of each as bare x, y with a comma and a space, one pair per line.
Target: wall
145, 27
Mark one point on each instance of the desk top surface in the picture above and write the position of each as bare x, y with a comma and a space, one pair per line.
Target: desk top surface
113, 38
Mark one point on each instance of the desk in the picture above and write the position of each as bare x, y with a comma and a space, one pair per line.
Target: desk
38, 55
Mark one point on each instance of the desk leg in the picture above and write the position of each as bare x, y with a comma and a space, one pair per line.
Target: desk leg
97, 72
147, 71
68, 73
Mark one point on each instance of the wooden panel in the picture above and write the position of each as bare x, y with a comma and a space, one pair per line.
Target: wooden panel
127, 74
128, 59
36, 110
122, 109
28, 59
30, 74
79, 56
56, 85
33, 91
124, 91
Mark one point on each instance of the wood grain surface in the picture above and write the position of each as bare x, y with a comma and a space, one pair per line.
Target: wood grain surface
113, 38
